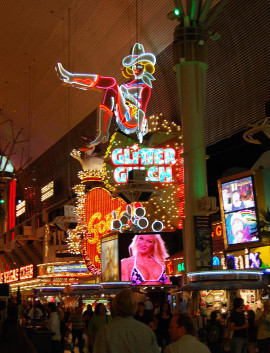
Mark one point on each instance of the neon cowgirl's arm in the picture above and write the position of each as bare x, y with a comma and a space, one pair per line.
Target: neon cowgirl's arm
85, 81
145, 96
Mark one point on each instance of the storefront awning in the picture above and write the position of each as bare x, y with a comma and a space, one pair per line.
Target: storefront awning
225, 285
107, 291
48, 293
85, 292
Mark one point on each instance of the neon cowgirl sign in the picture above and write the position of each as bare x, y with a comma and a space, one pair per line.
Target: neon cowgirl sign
127, 102
157, 161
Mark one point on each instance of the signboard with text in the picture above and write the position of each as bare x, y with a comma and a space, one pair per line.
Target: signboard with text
161, 158
17, 274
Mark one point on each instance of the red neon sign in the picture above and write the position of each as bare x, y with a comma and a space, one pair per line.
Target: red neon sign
26, 272
170, 267
11, 276
22, 273
99, 205
217, 230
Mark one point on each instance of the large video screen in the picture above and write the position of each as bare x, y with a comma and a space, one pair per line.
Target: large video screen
239, 210
142, 256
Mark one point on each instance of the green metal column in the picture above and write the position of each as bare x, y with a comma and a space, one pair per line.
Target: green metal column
190, 63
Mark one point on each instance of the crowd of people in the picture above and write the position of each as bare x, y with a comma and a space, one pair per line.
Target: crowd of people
135, 327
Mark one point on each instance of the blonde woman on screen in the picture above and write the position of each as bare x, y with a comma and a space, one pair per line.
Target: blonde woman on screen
146, 265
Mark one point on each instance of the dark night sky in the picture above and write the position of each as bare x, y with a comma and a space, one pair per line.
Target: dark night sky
230, 156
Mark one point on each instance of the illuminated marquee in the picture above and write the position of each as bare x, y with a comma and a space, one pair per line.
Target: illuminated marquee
239, 262
250, 260
20, 209
157, 161
68, 268
26, 272
161, 158
17, 274
47, 191
11, 276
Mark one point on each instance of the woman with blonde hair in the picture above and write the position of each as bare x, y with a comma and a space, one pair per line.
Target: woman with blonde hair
147, 261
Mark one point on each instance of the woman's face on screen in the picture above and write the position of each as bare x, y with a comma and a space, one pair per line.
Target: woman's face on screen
145, 243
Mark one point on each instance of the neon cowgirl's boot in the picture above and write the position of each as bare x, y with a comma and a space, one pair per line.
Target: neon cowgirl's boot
142, 125
104, 122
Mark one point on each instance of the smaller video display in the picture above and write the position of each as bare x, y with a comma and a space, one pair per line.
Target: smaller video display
238, 194
241, 226
109, 260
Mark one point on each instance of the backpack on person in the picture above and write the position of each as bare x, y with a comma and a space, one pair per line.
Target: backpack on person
214, 334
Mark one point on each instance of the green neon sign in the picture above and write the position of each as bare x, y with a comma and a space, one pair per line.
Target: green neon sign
181, 267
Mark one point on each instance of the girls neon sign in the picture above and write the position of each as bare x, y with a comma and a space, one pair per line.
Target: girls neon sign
157, 161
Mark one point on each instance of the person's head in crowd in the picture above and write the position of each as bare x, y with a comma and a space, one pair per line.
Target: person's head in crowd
52, 307
89, 308
181, 324
213, 315
141, 307
238, 304
125, 304
251, 316
100, 309
152, 325
165, 308
88, 312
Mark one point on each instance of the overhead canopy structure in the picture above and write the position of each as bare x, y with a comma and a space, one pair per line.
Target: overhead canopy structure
94, 36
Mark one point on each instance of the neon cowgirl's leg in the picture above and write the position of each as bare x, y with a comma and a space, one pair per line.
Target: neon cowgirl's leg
105, 113
142, 126
109, 98
104, 122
